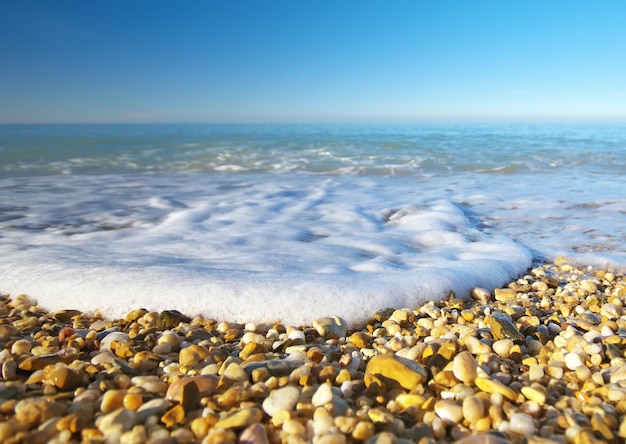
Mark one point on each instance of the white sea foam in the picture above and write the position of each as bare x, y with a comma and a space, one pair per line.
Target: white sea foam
289, 249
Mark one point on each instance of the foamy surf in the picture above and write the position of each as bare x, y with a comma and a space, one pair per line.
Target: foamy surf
292, 223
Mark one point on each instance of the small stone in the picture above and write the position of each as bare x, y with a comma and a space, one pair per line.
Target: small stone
331, 325
65, 315
293, 427
132, 401
7, 331
599, 425
154, 407
21, 347
573, 360
323, 395
535, 392
391, 370
476, 347
240, 418
66, 379
473, 409
115, 423
150, 383
136, 314
449, 412
112, 400
503, 328
464, 367
505, 294
162, 349
364, 430
583, 373
503, 347
284, 398
280, 367
117, 336
234, 372
39, 362
480, 294
535, 372
483, 439
193, 355
170, 318
219, 436
523, 424
251, 349
66, 333
556, 372
205, 384
173, 416
254, 434
102, 358
611, 311
359, 339
380, 416
189, 396
9, 371
493, 386
36, 410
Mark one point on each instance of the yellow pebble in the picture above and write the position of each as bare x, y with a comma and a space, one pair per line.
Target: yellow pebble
363, 431
132, 401
493, 386
112, 400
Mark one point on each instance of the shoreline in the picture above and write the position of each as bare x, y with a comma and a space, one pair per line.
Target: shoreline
540, 360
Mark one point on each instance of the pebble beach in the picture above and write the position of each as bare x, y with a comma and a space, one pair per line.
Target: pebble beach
540, 360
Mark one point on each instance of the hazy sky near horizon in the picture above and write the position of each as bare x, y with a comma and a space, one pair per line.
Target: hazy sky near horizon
312, 61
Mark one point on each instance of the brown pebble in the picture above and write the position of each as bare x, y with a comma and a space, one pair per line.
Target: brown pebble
66, 379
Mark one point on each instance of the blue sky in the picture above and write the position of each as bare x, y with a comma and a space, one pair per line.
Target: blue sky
312, 61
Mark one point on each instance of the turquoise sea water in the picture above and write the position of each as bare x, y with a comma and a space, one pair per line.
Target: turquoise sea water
296, 221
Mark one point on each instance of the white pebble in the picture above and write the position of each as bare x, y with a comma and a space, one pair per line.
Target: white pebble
502, 347
523, 424
118, 336
322, 396
573, 360
296, 334
282, 399
449, 412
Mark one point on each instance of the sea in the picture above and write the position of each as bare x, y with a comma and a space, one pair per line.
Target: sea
263, 223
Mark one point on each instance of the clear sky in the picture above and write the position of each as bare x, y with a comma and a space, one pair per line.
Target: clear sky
312, 61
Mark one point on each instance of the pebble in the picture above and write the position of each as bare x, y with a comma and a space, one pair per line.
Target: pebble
502, 328
21, 347
254, 434
503, 347
66, 379
240, 418
7, 331
473, 409
323, 395
205, 385
449, 412
476, 347
383, 370
112, 400
522, 423
464, 367
494, 386
284, 398
535, 392
331, 325
117, 336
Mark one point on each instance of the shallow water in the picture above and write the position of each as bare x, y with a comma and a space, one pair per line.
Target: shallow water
267, 222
